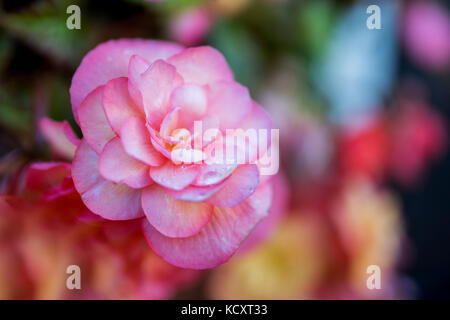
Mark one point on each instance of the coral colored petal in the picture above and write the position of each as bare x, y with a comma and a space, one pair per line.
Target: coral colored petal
201, 65
117, 103
218, 240
110, 60
109, 200
44, 175
174, 176
230, 101
136, 141
239, 187
117, 166
60, 136
93, 123
174, 218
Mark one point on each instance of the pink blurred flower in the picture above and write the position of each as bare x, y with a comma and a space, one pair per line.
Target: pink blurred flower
190, 27
136, 102
45, 227
427, 34
418, 137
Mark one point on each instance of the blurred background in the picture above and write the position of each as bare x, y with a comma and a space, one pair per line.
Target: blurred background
363, 117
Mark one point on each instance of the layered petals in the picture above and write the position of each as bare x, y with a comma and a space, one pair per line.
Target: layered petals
174, 177
107, 199
240, 186
201, 65
218, 240
117, 103
174, 218
117, 166
96, 129
110, 60
137, 143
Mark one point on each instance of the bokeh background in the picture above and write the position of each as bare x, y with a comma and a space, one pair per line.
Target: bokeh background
363, 117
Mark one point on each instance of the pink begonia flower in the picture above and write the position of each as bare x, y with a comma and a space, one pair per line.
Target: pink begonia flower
426, 32
190, 27
138, 103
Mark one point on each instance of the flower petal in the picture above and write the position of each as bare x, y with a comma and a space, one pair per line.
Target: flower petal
213, 173
174, 218
230, 101
117, 103
117, 166
201, 65
241, 184
93, 123
44, 175
218, 240
107, 199
154, 87
110, 60
197, 194
173, 176
136, 142
60, 136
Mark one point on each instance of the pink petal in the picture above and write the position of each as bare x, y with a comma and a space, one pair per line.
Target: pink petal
218, 240
173, 176
240, 186
113, 201
44, 175
230, 101
201, 65
110, 60
60, 136
107, 199
192, 101
213, 173
155, 86
117, 166
93, 123
117, 103
197, 194
136, 141
174, 218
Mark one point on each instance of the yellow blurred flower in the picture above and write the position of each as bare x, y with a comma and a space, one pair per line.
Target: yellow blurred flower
288, 265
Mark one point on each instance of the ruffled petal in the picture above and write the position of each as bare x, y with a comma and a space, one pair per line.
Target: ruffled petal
201, 65
218, 240
242, 183
136, 142
173, 176
213, 173
110, 200
93, 123
117, 103
174, 218
117, 166
230, 102
151, 89
197, 194
110, 60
